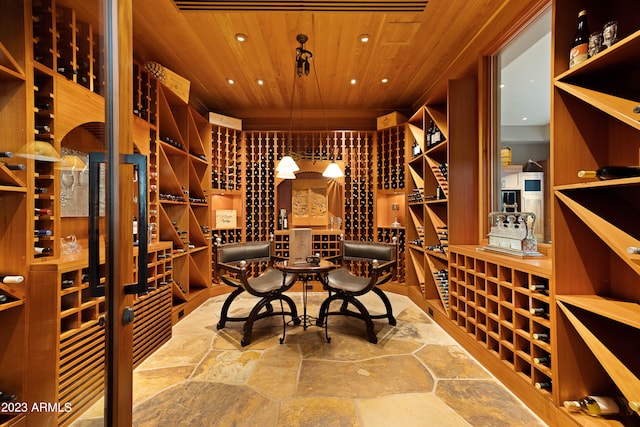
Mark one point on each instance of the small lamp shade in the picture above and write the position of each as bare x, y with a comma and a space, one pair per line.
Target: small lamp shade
286, 175
332, 171
72, 163
39, 150
287, 164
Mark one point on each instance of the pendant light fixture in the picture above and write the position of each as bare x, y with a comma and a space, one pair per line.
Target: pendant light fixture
39, 150
333, 171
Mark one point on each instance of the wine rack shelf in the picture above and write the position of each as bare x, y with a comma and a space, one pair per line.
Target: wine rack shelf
16, 193
427, 202
323, 242
596, 295
66, 45
182, 180
387, 235
495, 300
76, 354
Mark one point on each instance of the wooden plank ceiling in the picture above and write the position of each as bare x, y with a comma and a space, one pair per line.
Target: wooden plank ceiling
410, 49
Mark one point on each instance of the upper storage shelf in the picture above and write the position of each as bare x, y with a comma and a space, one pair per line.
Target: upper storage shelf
9, 68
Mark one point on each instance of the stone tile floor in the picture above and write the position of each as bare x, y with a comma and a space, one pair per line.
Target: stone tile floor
416, 375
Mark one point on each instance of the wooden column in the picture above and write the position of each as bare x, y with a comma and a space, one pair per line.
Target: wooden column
119, 105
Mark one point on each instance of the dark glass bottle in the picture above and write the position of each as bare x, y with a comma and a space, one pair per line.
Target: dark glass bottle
611, 172
580, 47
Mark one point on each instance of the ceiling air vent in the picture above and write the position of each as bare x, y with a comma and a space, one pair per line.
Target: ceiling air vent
301, 6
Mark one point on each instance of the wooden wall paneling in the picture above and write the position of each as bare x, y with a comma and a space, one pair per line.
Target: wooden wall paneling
462, 131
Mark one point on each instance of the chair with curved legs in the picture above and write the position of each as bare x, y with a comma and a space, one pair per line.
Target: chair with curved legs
343, 285
232, 264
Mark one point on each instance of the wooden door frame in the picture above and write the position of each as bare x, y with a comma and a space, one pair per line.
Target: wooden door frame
118, 43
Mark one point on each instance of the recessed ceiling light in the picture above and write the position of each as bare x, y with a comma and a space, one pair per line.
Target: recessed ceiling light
525, 118
241, 37
230, 81
260, 82
385, 80
363, 38
501, 86
353, 81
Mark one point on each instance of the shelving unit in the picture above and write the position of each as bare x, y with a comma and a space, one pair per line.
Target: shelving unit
491, 297
596, 302
390, 191
184, 186
75, 354
16, 239
441, 203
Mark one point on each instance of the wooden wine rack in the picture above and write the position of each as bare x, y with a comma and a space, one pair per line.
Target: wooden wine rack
184, 188
386, 235
441, 205
45, 176
391, 158
66, 45
145, 94
326, 243
71, 369
16, 191
597, 298
491, 300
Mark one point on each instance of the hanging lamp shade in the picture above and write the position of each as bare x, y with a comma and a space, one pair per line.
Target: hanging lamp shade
286, 175
333, 171
287, 164
39, 150
71, 162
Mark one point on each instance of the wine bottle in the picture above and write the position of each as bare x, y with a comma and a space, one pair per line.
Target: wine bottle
41, 251
40, 190
6, 154
43, 128
11, 167
541, 337
11, 279
633, 250
415, 149
39, 211
538, 311
6, 397
599, 405
135, 230
42, 232
543, 385
611, 172
580, 47
538, 287
3, 298
542, 360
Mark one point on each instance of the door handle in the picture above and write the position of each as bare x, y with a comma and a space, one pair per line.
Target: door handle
140, 162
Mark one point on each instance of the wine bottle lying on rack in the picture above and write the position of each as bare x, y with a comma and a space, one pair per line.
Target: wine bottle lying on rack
599, 406
611, 172
41, 251
19, 167
11, 279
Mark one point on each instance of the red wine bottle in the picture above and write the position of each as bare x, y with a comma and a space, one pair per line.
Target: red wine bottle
6, 154
39, 211
611, 172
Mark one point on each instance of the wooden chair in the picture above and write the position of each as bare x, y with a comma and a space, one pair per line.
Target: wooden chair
346, 286
231, 264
